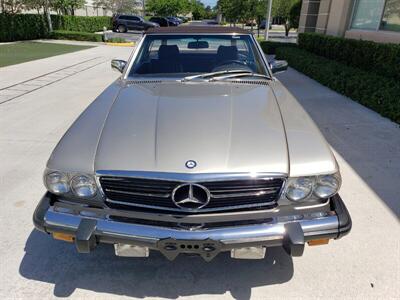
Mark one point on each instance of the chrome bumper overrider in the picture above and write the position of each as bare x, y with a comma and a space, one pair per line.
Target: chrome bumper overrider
291, 235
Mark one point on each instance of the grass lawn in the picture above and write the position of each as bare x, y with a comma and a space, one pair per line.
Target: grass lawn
16, 53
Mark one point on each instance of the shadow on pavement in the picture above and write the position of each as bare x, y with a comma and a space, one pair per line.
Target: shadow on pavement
57, 262
369, 143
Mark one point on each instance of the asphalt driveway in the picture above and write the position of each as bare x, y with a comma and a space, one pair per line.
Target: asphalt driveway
365, 264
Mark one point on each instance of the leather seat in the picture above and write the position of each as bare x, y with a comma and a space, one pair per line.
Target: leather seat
227, 53
168, 60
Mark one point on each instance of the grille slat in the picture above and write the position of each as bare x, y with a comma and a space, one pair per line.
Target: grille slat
157, 194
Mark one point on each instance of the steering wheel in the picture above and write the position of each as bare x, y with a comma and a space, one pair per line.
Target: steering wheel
230, 62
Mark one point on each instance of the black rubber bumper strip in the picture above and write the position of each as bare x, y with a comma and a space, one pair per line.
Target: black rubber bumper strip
40, 211
293, 241
343, 215
85, 240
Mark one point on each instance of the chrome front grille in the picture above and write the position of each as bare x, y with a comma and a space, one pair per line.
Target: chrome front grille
155, 194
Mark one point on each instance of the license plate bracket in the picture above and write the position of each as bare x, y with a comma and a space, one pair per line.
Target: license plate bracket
207, 249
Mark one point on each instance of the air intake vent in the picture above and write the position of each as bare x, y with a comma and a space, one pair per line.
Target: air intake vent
143, 81
256, 82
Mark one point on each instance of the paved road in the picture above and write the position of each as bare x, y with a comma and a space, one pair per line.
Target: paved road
363, 265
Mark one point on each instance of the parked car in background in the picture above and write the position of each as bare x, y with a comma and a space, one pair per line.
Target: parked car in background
123, 23
163, 22
196, 149
263, 23
213, 22
174, 21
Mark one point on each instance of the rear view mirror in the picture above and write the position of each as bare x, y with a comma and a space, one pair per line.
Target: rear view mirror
118, 65
278, 66
198, 45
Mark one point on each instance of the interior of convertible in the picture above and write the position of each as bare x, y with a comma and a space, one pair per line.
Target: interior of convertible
194, 54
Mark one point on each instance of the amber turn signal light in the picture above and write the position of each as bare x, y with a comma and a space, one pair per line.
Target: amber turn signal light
63, 237
318, 242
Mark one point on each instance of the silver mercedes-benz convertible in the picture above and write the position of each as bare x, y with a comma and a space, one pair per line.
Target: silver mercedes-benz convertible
196, 149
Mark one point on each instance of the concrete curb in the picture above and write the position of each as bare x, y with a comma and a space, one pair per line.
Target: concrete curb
130, 44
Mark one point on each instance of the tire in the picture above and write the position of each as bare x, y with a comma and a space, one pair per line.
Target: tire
121, 28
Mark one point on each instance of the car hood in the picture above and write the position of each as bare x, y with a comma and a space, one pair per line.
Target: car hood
224, 127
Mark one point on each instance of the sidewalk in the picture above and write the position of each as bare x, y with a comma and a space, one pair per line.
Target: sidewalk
21, 72
369, 143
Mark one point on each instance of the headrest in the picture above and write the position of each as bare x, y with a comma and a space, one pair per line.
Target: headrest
227, 53
168, 52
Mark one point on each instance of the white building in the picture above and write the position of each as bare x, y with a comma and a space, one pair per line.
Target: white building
91, 10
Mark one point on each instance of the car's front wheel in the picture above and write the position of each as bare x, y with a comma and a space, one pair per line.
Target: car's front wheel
121, 28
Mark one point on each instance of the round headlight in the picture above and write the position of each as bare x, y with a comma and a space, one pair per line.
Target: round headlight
327, 185
83, 186
57, 183
299, 188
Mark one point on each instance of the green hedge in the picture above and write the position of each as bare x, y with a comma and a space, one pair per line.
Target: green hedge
270, 47
29, 26
83, 24
76, 36
377, 92
22, 27
383, 59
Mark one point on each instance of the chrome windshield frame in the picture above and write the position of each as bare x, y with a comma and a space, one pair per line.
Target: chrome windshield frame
257, 47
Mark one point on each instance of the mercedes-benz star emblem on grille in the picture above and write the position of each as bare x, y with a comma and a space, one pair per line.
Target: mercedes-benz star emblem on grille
191, 196
190, 164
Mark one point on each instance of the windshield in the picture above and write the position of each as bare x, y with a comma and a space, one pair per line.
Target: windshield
183, 55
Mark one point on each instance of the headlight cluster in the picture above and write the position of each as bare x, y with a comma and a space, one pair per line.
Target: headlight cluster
323, 186
81, 185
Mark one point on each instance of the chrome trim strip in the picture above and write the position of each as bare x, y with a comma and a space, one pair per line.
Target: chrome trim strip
244, 194
190, 177
165, 195
161, 208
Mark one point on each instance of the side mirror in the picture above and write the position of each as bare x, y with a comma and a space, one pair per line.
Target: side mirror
118, 65
278, 66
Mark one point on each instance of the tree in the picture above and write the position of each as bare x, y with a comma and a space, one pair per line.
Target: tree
233, 10
255, 10
281, 9
11, 6
167, 7
118, 6
294, 14
36, 5
198, 10
67, 7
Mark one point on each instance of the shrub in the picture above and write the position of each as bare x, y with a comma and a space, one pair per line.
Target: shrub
29, 26
22, 27
377, 92
83, 24
382, 59
269, 47
76, 35
116, 40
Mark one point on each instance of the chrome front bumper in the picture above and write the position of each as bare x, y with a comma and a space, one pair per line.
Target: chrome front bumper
292, 235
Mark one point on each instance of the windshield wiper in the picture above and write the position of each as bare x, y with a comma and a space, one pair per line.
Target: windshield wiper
222, 75
213, 74
241, 74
